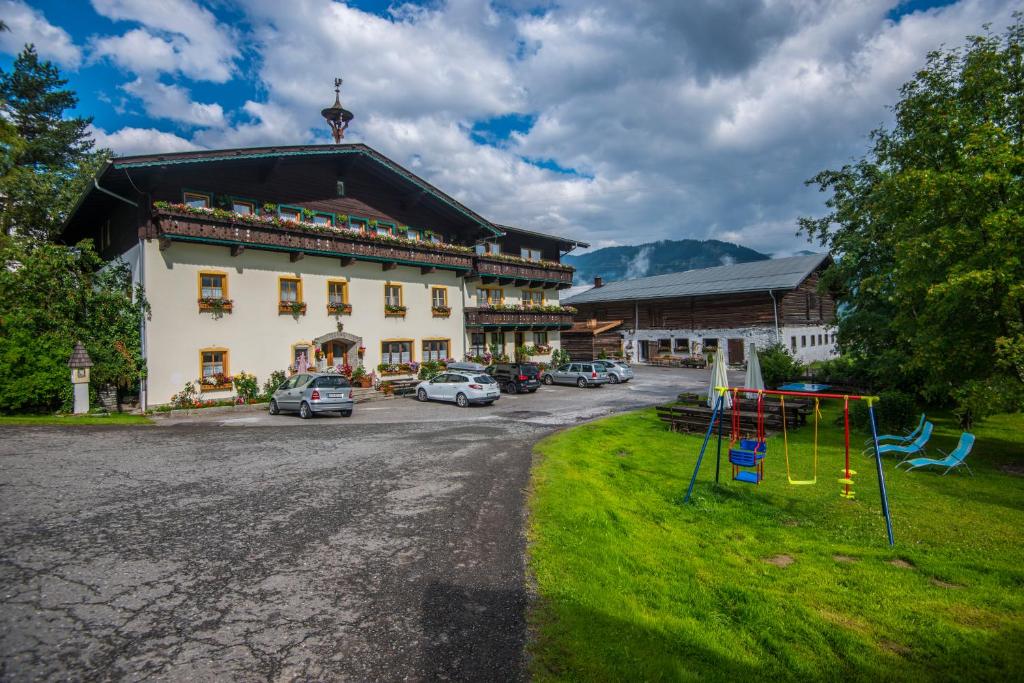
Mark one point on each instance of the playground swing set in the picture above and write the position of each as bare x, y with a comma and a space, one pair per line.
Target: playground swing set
747, 456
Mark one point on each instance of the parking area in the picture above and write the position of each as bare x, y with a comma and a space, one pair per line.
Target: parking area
387, 545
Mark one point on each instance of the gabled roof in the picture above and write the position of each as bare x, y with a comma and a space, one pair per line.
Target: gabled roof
564, 242
757, 276
116, 175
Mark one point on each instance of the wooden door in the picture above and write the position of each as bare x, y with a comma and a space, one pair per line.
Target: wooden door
335, 353
736, 351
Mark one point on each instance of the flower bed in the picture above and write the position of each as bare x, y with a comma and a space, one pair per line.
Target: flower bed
391, 369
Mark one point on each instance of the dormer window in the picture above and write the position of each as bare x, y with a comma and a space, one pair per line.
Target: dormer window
323, 219
412, 234
197, 200
243, 207
384, 228
289, 213
488, 248
530, 254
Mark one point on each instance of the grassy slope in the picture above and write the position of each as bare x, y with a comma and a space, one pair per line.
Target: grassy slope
112, 419
635, 585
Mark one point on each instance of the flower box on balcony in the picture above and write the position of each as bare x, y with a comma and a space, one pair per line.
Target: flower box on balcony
291, 308
392, 311
216, 383
392, 369
339, 309
441, 311
216, 306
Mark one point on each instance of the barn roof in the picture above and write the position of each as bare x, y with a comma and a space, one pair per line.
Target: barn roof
757, 276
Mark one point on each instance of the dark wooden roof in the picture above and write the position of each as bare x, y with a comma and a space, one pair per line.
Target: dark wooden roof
565, 243
79, 357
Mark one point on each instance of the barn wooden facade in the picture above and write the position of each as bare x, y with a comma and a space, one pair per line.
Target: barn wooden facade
590, 339
727, 307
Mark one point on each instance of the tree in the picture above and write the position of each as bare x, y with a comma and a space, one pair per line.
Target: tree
927, 229
50, 297
45, 156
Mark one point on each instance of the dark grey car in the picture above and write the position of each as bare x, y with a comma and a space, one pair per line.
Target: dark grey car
311, 393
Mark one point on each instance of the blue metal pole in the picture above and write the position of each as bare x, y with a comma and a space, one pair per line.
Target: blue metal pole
881, 475
700, 457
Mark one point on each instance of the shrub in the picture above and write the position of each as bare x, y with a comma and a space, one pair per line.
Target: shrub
430, 368
778, 365
246, 386
978, 399
895, 411
187, 397
276, 379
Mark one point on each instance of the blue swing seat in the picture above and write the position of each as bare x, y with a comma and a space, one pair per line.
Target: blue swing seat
749, 454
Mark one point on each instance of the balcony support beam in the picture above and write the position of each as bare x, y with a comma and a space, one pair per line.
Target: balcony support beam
237, 249
296, 256
346, 261
391, 265
424, 270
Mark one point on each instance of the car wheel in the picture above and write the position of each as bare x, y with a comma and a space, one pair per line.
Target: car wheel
346, 413
421, 395
549, 380
614, 379
304, 412
581, 383
512, 388
274, 410
462, 401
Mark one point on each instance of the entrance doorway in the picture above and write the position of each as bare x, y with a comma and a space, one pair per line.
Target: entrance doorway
337, 353
736, 351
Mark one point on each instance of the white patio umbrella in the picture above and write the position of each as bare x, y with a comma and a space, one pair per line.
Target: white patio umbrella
301, 363
719, 378
753, 380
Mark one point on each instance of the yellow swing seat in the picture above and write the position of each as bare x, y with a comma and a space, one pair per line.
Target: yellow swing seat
785, 445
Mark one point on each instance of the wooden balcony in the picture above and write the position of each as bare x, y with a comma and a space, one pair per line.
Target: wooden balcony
488, 319
170, 225
522, 274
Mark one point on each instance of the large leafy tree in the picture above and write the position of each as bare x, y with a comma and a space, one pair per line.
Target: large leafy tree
927, 229
45, 155
50, 297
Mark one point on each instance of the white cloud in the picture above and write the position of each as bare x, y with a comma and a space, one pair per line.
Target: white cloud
179, 36
28, 25
129, 140
174, 103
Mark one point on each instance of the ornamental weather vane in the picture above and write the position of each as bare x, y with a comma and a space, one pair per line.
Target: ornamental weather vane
337, 116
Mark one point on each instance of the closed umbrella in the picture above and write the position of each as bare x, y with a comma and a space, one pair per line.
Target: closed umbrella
754, 380
719, 378
301, 364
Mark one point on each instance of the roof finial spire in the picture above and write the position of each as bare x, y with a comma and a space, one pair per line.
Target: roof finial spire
337, 117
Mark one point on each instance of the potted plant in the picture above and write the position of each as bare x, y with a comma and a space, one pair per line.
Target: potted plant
441, 311
395, 310
216, 305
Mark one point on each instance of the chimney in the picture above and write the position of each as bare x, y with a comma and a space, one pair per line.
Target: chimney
598, 282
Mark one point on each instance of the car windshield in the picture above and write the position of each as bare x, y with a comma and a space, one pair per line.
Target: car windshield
484, 379
529, 369
330, 382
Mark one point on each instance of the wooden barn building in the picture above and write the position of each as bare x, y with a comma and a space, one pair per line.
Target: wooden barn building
726, 307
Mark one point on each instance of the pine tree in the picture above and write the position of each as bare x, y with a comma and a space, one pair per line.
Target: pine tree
46, 156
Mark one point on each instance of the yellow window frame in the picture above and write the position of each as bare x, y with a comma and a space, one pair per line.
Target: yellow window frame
491, 288
401, 296
298, 289
344, 290
427, 340
444, 296
213, 273
531, 292
412, 348
215, 349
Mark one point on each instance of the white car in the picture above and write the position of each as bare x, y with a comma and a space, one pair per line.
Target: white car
463, 388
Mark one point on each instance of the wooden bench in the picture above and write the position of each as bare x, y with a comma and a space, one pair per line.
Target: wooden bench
691, 418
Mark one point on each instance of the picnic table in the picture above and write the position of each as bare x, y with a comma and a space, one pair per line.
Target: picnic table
691, 415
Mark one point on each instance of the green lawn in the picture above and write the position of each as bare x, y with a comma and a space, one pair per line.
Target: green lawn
635, 585
111, 419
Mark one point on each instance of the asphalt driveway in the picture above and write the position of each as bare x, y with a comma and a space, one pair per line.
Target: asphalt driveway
384, 546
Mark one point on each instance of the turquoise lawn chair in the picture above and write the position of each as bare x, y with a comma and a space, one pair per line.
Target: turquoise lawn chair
914, 448
951, 461
902, 440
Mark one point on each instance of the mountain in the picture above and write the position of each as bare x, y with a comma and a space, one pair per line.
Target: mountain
657, 258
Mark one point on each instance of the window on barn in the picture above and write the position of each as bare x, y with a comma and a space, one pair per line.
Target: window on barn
803, 341
664, 346
681, 345
792, 343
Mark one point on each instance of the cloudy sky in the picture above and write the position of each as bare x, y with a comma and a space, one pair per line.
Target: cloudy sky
608, 121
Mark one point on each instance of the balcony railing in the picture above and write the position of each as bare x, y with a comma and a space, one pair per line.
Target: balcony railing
521, 272
171, 223
488, 318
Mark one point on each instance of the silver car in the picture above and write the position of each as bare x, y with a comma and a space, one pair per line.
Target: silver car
310, 393
586, 374
617, 370
461, 387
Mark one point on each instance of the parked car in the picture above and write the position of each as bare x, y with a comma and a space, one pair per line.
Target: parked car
585, 374
311, 393
462, 388
515, 378
617, 370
